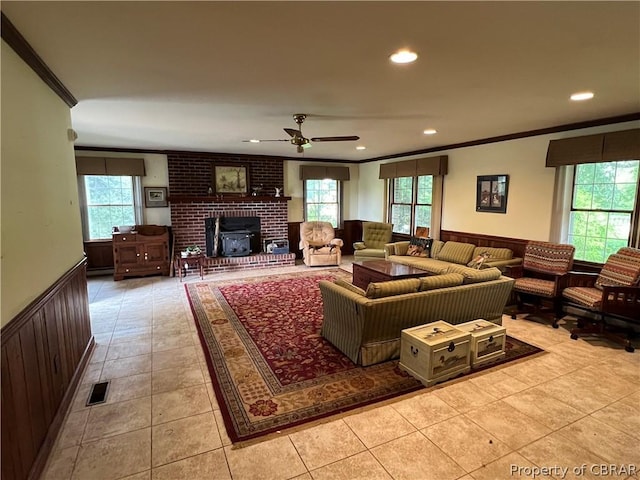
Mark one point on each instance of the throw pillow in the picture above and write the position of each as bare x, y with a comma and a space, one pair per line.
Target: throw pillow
479, 260
419, 247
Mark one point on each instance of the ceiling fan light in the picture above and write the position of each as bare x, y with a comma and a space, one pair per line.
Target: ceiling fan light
579, 96
254, 140
430, 131
404, 56
361, 147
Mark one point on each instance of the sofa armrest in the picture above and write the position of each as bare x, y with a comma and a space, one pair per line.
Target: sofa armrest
514, 271
397, 248
582, 279
623, 301
336, 242
359, 246
502, 264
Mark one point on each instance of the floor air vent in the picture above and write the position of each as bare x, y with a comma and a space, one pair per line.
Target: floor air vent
98, 393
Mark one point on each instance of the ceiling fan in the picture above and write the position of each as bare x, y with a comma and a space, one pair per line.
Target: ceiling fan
300, 141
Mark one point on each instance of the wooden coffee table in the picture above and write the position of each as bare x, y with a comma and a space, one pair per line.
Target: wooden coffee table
367, 271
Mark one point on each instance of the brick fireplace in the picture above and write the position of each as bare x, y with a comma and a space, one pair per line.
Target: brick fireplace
189, 181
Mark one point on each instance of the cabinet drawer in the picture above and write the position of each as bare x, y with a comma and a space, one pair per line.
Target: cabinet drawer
125, 237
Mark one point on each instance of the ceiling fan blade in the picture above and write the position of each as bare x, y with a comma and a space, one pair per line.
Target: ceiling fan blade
260, 141
336, 139
293, 132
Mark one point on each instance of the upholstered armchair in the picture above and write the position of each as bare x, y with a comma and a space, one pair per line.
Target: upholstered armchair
319, 245
613, 294
374, 237
542, 277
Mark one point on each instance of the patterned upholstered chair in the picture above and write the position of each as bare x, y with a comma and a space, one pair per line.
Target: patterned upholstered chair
374, 237
542, 277
319, 245
613, 293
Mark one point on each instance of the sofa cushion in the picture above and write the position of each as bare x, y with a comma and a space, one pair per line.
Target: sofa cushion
392, 287
494, 253
436, 246
472, 275
456, 252
434, 282
349, 286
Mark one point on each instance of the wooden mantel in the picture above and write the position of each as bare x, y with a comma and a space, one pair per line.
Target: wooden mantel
226, 199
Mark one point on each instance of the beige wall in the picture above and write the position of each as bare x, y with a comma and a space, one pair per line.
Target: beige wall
41, 232
530, 194
156, 175
293, 188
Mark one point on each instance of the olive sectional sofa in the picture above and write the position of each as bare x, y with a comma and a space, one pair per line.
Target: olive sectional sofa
366, 325
444, 254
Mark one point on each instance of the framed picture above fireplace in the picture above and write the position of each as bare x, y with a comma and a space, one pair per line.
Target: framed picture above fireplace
231, 178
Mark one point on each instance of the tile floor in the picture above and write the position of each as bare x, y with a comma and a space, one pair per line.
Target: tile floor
577, 405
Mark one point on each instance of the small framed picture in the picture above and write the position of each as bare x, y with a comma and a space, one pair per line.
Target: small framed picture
155, 197
491, 193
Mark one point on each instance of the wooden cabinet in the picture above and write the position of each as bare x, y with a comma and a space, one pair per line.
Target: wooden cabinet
140, 253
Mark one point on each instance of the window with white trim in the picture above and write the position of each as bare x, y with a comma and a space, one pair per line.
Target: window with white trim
322, 201
604, 209
410, 203
108, 201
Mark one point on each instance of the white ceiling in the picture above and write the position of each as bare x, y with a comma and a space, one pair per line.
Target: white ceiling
204, 76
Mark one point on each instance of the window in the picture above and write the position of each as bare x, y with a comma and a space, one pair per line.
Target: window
107, 201
322, 201
411, 203
603, 208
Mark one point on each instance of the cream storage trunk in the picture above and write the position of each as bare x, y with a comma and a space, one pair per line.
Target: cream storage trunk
435, 352
487, 341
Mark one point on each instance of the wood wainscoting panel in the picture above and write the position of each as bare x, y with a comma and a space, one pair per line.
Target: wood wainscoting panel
44, 351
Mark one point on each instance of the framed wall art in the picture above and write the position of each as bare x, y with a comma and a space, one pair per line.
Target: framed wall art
233, 178
491, 193
155, 197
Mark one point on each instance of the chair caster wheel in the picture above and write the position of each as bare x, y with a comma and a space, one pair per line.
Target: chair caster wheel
513, 316
555, 325
629, 349
574, 336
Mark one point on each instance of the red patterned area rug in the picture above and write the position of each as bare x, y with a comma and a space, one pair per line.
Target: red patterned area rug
270, 368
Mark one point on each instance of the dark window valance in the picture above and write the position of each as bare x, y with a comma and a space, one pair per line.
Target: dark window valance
320, 172
110, 166
416, 167
602, 147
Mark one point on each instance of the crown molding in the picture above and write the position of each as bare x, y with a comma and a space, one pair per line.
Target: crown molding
17, 42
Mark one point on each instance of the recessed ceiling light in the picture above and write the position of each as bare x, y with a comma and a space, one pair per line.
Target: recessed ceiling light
430, 131
581, 96
404, 56
361, 147
254, 140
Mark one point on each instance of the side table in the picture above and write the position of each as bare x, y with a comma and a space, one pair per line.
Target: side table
181, 262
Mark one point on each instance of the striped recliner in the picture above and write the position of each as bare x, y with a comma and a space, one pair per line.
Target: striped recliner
544, 269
